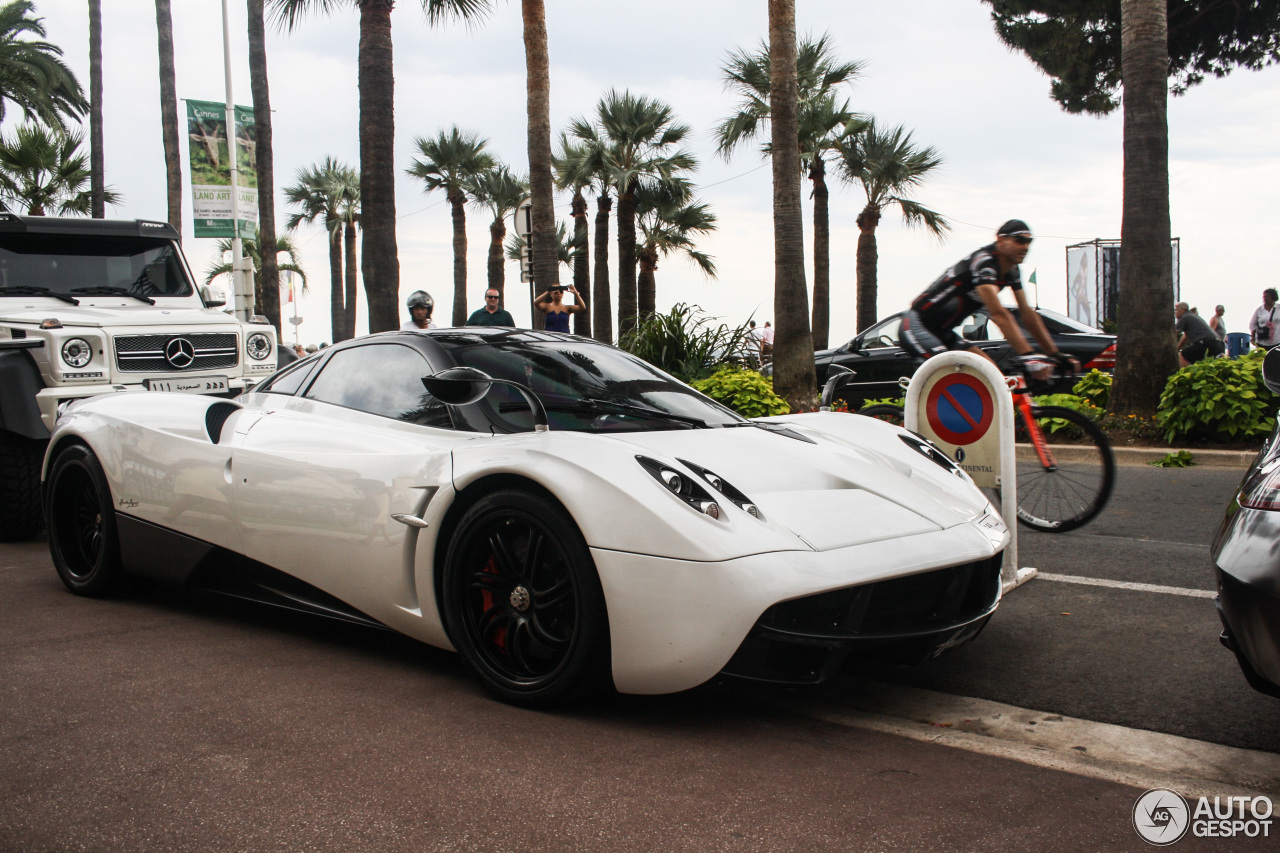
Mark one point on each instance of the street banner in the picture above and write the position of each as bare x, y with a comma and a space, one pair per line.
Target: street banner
211, 170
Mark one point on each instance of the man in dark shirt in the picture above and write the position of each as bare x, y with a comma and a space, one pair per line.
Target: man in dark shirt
972, 285
491, 314
1197, 339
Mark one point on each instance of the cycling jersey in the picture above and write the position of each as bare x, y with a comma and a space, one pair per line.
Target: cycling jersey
952, 296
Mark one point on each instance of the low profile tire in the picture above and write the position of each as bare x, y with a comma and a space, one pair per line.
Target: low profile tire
523, 603
82, 525
20, 460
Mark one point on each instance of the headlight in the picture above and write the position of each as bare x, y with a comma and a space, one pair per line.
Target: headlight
77, 352
258, 346
682, 486
725, 488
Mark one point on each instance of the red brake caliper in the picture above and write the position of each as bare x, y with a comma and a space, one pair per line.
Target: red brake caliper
487, 599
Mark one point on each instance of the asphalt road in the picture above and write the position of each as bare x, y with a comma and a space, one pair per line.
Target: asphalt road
1140, 659
179, 721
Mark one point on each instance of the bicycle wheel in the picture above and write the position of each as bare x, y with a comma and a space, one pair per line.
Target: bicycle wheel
1076, 487
884, 412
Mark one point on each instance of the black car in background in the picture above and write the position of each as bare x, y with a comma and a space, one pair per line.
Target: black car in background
879, 360
1246, 561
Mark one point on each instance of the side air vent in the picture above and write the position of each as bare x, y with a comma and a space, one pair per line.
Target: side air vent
216, 417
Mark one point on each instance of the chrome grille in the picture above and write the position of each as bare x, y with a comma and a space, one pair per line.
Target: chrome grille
145, 353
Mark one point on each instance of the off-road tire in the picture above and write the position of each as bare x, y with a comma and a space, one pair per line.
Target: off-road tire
20, 459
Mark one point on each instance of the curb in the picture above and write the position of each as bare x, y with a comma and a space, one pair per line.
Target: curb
1145, 455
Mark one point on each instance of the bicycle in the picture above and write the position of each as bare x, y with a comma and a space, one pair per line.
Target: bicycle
1065, 467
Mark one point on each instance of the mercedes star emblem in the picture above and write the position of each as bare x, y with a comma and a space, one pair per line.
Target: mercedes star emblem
179, 352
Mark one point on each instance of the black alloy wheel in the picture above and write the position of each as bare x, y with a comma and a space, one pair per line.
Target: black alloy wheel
522, 601
82, 525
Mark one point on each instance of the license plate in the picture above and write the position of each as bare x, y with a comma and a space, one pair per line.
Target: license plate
188, 385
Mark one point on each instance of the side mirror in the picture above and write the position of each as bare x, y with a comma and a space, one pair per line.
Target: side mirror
461, 386
837, 377
1271, 370
214, 295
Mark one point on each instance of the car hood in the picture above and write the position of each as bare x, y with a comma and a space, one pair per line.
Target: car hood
13, 310
852, 481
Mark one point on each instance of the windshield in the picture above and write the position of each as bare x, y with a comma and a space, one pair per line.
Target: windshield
66, 264
585, 387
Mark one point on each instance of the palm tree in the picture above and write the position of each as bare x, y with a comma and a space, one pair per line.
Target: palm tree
546, 271
793, 373
581, 165
502, 192
887, 165
449, 161
668, 221
322, 193
96, 157
349, 214
1146, 276
32, 73
381, 264
823, 123
284, 246
568, 178
264, 162
169, 114
42, 169
568, 248
638, 137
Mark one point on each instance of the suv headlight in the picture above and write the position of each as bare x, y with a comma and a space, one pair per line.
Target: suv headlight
77, 352
258, 346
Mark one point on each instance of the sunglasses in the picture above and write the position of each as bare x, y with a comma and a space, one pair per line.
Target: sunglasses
490, 297
1021, 239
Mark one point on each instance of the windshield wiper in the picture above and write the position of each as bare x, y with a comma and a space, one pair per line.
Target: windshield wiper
31, 290
102, 290
642, 411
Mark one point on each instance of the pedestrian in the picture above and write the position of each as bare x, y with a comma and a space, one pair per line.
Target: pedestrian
1218, 325
492, 314
766, 343
420, 305
299, 350
1197, 339
751, 343
551, 303
1262, 325
312, 348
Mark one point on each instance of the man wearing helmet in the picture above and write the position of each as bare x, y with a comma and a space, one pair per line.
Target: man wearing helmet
420, 305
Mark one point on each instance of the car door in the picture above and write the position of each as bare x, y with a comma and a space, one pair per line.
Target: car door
319, 479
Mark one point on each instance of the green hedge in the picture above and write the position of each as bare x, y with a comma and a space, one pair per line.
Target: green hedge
745, 391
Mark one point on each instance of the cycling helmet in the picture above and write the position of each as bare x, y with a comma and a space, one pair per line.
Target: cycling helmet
420, 299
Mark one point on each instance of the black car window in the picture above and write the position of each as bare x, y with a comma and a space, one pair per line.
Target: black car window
382, 379
978, 327
61, 263
883, 334
289, 380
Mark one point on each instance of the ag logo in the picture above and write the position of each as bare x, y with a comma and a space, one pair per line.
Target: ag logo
180, 352
1161, 816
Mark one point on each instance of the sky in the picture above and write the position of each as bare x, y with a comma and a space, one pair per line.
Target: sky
934, 66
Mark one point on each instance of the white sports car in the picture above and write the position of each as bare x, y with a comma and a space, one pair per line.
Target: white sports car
559, 512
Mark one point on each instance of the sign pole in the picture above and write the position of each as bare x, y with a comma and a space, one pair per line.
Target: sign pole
244, 296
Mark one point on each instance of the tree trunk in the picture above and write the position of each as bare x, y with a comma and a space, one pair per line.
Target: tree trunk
97, 182
264, 160
646, 284
626, 260
349, 309
581, 262
546, 266
497, 270
337, 308
821, 254
1145, 346
169, 115
381, 262
458, 202
601, 304
793, 372
867, 260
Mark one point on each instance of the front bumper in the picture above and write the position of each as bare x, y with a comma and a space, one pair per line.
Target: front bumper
675, 624
51, 398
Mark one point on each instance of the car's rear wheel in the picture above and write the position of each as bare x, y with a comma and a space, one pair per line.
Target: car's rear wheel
523, 603
82, 524
20, 460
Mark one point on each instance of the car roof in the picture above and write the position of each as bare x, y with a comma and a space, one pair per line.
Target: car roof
12, 223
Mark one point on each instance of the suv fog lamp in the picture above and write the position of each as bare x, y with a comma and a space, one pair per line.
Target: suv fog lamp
77, 352
258, 346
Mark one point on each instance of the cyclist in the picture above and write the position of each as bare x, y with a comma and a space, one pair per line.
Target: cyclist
974, 285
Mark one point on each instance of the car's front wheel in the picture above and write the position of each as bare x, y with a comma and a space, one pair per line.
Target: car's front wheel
523, 603
82, 524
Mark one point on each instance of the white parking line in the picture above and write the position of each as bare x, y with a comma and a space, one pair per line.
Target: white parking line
1139, 587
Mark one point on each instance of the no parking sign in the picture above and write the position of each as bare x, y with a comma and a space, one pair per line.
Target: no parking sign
957, 411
